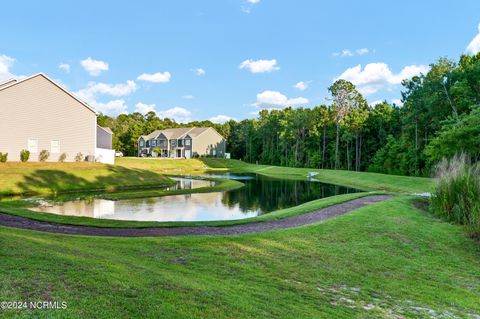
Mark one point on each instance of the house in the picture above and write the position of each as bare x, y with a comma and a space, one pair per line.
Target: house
185, 142
38, 114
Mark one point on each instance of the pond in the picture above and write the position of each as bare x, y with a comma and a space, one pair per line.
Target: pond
260, 195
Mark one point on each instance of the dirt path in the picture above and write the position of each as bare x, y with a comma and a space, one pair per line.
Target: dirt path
295, 221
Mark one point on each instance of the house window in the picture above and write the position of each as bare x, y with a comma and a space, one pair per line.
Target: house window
154, 143
141, 143
55, 147
33, 146
180, 143
187, 142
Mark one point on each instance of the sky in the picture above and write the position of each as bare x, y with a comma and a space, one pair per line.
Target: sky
223, 59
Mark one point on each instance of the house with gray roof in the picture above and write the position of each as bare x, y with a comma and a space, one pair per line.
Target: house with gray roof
185, 142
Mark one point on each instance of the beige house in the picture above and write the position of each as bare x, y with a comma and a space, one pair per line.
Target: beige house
185, 142
38, 114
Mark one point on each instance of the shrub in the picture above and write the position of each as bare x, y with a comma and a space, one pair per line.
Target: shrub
24, 155
3, 157
43, 156
79, 157
62, 157
157, 150
457, 192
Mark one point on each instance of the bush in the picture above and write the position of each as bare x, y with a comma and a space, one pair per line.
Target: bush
43, 156
3, 157
24, 155
79, 157
62, 157
157, 150
457, 192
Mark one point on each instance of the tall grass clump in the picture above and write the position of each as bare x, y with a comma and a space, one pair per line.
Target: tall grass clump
457, 192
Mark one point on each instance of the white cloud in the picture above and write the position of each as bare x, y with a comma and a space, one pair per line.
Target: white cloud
158, 77
247, 7
474, 45
113, 107
376, 76
65, 67
93, 89
349, 53
362, 51
220, 119
6, 63
94, 67
302, 86
91, 94
397, 102
188, 97
373, 103
199, 71
260, 66
179, 114
145, 108
276, 100
343, 53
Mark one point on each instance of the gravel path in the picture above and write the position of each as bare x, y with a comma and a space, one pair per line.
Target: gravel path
258, 227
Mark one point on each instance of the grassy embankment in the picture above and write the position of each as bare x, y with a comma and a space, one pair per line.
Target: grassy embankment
386, 260
131, 171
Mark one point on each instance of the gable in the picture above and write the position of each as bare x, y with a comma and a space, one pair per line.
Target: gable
37, 84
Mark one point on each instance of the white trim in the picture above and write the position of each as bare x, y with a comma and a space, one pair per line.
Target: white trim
57, 149
54, 83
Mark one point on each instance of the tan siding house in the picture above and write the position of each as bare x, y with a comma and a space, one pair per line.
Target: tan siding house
37, 114
185, 142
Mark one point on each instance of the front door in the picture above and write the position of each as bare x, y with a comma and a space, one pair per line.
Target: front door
188, 153
179, 153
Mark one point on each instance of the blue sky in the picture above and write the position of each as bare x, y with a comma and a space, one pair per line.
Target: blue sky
220, 59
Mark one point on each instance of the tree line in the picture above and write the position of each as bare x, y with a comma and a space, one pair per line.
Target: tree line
440, 116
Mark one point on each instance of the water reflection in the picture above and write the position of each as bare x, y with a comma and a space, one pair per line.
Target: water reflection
260, 195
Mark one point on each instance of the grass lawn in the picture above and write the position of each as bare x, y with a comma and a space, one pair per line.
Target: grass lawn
386, 260
51, 178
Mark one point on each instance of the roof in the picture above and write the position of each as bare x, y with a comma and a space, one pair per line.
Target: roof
177, 133
106, 129
12, 82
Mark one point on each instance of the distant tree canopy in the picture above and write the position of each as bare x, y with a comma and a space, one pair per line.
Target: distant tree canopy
439, 117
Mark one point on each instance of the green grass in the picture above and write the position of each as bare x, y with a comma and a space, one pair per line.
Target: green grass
21, 208
362, 180
54, 178
389, 257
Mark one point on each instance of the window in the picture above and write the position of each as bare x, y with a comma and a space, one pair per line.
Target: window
141, 143
180, 143
154, 143
187, 142
33, 146
54, 147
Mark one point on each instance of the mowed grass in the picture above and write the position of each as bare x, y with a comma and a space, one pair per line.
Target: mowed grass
362, 180
51, 178
386, 260
164, 166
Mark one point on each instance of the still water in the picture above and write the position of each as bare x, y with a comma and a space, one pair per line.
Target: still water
260, 195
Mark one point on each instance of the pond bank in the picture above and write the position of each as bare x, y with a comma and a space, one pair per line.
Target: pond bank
289, 222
